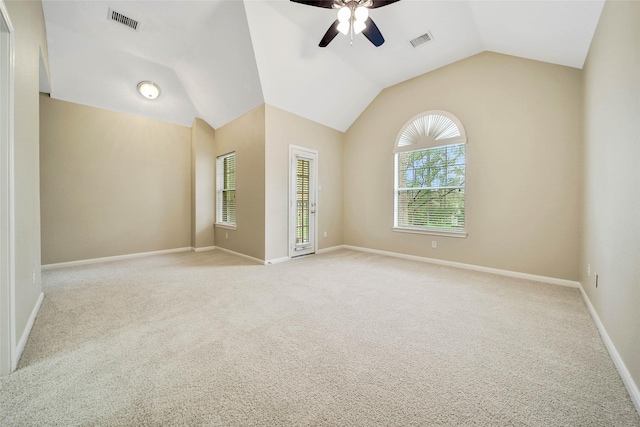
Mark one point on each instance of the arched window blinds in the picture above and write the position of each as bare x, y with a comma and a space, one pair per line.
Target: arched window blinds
430, 129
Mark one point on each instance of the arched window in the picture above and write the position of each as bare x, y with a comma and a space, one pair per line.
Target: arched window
430, 161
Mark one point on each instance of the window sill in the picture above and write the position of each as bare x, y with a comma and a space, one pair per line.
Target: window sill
225, 226
457, 234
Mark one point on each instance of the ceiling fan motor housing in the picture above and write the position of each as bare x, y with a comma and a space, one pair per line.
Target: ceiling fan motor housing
365, 25
352, 4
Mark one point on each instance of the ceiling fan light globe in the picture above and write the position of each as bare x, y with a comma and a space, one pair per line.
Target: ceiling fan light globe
344, 14
359, 26
361, 13
343, 27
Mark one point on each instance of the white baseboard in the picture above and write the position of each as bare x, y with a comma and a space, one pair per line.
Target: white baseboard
203, 249
330, 249
627, 379
277, 260
286, 258
145, 254
25, 334
113, 258
260, 261
508, 273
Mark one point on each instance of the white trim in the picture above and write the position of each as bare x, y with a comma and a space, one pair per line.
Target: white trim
112, 258
319, 251
7, 263
259, 261
225, 226
162, 252
507, 273
26, 332
627, 379
277, 260
456, 234
203, 249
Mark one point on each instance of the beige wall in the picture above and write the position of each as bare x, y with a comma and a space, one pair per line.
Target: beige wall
111, 183
245, 135
612, 178
30, 36
523, 121
284, 129
203, 182
115, 184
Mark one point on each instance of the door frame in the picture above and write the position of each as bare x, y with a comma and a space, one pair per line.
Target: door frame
7, 195
293, 150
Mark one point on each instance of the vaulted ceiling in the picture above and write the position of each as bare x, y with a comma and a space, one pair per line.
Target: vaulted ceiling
218, 59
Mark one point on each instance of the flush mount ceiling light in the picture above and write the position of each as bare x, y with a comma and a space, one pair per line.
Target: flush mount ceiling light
353, 17
149, 90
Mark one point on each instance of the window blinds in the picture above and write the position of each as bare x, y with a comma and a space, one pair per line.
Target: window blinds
430, 188
303, 187
226, 185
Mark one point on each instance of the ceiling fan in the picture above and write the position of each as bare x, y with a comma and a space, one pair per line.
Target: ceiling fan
353, 16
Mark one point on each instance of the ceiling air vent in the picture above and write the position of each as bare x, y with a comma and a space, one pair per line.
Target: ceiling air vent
123, 19
425, 38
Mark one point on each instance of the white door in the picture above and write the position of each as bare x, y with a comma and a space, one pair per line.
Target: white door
302, 201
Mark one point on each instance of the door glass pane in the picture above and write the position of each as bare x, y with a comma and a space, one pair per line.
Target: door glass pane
302, 201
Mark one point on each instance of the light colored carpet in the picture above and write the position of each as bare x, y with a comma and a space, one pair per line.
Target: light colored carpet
343, 338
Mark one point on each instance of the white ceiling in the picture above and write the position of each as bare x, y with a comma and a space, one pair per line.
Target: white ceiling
218, 59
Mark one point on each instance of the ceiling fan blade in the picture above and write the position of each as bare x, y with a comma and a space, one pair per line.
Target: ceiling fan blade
380, 3
331, 34
373, 33
327, 4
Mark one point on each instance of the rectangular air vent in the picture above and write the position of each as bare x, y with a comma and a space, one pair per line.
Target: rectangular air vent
124, 20
420, 40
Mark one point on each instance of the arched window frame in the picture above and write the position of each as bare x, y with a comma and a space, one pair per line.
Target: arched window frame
433, 129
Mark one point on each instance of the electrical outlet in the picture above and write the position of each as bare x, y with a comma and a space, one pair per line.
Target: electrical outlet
226, 235
325, 234
589, 270
434, 244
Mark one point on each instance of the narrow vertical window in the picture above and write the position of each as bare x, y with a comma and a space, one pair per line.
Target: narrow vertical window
226, 189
